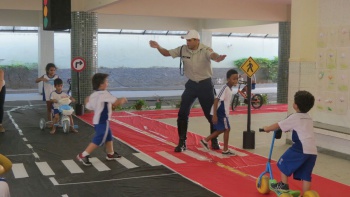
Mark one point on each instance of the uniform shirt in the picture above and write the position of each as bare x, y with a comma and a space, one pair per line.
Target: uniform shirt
101, 102
303, 136
48, 86
225, 95
197, 64
58, 96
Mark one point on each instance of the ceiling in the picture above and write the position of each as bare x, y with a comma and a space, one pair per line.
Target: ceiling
240, 16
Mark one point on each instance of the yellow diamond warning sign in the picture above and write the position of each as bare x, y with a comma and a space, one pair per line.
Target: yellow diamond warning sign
250, 67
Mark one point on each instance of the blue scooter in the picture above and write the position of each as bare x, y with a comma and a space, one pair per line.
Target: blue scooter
263, 182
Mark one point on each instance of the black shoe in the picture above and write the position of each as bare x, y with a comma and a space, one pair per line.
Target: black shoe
181, 147
115, 156
204, 144
215, 146
84, 160
280, 187
228, 152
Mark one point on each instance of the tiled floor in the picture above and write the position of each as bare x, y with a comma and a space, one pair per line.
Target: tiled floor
327, 166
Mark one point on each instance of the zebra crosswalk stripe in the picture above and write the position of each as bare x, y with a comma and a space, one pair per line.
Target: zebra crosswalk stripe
45, 168
170, 157
147, 159
19, 171
126, 163
98, 164
72, 166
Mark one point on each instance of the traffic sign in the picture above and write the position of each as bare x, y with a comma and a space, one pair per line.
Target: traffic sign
250, 67
78, 64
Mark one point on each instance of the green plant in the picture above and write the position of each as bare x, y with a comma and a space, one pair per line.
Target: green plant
265, 99
139, 104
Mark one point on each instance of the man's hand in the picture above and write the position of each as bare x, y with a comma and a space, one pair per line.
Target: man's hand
220, 58
153, 44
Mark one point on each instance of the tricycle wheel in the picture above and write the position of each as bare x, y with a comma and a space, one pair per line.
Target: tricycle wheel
42, 123
264, 185
65, 126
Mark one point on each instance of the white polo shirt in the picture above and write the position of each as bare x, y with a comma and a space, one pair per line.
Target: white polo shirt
101, 103
225, 94
303, 137
48, 86
197, 65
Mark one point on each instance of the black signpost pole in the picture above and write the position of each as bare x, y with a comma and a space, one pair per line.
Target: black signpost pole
78, 64
249, 135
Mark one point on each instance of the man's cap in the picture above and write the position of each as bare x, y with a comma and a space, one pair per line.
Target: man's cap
191, 34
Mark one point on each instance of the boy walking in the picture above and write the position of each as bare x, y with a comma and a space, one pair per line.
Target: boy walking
101, 102
300, 158
220, 112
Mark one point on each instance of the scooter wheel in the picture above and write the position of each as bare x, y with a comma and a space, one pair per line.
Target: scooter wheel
311, 193
286, 195
264, 185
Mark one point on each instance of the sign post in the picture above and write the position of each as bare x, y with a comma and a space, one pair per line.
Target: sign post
78, 64
249, 67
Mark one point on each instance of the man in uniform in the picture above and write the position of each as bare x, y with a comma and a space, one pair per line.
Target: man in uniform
196, 58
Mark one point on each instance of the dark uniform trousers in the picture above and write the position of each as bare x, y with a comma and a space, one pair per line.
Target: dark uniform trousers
204, 91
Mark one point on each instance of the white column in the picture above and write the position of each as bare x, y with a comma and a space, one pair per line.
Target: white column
206, 37
46, 51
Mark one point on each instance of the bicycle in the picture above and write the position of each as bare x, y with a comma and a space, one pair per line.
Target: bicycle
256, 99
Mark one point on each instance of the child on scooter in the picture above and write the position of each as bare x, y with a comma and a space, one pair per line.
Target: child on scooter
300, 158
55, 97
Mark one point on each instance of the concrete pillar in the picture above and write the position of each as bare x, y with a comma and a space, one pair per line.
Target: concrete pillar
283, 61
84, 44
206, 37
46, 52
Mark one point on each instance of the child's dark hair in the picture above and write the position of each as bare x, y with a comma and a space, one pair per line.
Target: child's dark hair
98, 79
48, 66
304, 100
231, 72
57, 81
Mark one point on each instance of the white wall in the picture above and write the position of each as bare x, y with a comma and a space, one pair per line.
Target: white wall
131, 50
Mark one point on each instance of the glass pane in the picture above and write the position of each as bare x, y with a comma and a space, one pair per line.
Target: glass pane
131, 31
161, 32
239, 34
221, 34
109, 30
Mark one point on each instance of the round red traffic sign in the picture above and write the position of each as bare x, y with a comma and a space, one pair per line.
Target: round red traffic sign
78, 64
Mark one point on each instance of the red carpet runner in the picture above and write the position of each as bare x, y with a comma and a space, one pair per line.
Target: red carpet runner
226, 176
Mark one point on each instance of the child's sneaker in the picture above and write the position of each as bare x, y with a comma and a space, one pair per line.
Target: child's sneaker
84, 160
110, 157
228, 152
280, 186
204, 144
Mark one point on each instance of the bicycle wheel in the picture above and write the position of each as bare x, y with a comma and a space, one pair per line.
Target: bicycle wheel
257, 101
234, 102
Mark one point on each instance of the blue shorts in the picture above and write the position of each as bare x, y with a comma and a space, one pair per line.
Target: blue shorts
298, 164
103, 134
222, 125
55, 111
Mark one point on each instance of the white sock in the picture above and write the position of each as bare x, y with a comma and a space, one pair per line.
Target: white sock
85, 154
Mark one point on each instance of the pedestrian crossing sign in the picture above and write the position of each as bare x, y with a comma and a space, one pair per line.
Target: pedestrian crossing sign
250, 67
